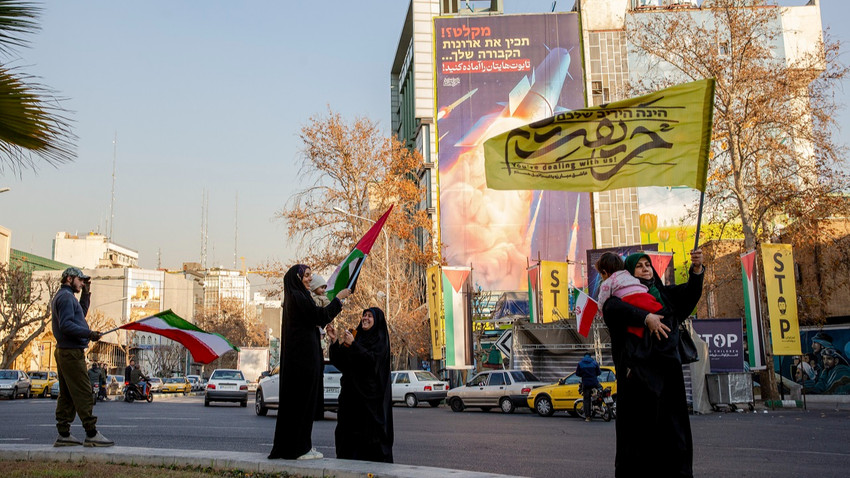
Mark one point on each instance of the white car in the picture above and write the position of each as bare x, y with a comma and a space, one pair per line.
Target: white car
14, 383
414, 386
506, 389
195, 380
267, 396
226, 385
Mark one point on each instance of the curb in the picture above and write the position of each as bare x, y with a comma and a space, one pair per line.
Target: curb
228, 460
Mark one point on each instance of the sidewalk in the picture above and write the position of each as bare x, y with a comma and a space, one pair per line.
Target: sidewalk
228, 460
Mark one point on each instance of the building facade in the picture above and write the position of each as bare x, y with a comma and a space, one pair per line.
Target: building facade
92, 251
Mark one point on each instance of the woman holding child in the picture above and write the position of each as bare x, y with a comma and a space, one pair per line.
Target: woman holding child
653, 428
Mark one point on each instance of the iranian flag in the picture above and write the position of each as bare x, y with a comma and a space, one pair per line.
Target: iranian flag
346, 273
585, 310
204, 346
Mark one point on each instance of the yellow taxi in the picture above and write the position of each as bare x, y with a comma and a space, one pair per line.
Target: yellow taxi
549, 399
41, 382
177, 385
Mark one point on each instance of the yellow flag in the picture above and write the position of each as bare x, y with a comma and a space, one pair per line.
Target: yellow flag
554, 290
781, 298
434, 289
659, 139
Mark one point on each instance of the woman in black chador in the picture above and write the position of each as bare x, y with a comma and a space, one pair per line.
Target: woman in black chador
300, 365
364, 429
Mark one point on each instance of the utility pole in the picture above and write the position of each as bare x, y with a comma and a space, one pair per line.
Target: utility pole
236, 232
112, 202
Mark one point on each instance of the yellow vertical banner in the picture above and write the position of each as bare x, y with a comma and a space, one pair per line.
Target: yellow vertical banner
554, 290
434, 289
781, 298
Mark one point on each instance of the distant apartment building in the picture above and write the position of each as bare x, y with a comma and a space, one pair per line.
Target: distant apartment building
224, 284
92, 251
5, 244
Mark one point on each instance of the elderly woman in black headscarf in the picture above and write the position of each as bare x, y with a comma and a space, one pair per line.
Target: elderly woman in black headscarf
301, 367
364, 429
653, 428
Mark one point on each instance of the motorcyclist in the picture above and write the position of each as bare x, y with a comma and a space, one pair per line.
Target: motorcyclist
103, 375
94, 378
139, 380
588, 370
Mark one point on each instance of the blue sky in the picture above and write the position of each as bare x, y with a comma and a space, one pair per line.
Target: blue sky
209, 95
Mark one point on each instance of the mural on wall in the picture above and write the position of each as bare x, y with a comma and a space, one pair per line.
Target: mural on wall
823, 368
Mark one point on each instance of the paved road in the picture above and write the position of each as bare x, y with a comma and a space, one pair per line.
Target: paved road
778, 443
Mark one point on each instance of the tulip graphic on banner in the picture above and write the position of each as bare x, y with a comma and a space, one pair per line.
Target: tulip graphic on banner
457, 297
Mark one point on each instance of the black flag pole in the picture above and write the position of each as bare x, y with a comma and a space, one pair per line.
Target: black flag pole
699, 219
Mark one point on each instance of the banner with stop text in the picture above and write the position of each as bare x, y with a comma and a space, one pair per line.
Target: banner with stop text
780, 283
434, 291
554, 290
725, 339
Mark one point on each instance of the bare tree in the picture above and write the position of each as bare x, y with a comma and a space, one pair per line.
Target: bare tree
167, 357
774, 160
24, 310
354, 168
237, 324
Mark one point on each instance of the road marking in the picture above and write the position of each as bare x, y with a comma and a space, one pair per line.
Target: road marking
14, 439
99, 426
160, 418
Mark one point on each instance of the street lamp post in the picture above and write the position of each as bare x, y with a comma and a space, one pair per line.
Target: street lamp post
386, 253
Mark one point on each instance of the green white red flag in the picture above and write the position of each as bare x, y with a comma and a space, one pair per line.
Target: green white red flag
346, 273
585, 310
204, 346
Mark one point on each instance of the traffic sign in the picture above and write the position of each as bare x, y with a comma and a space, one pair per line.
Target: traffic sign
505, 342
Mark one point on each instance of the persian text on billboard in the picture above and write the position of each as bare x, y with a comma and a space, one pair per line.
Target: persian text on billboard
494, 74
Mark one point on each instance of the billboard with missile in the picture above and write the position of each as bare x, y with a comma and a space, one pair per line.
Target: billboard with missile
494, 73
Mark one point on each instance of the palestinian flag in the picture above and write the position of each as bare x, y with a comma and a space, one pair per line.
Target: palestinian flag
585, 311
346, 273
204, 346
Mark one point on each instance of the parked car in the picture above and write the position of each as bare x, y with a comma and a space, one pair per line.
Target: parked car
114, 384
156, 384
414, 386
267, 390
54, 390
330, 381
195, 380
41, 382
14, 383
506, 389
177, 385
561, 395
227, 385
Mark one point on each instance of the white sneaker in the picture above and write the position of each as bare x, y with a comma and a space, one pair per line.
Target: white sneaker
311, 455
69, 440
98, 440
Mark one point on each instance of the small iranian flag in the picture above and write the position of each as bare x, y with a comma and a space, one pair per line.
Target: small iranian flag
585, 310
346, 273
204, 346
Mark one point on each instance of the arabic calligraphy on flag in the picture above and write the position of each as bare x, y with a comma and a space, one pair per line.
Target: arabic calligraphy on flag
659, 139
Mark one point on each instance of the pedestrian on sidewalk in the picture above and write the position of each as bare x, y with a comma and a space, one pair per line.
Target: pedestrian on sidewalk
301, 366
72, 337
364, 429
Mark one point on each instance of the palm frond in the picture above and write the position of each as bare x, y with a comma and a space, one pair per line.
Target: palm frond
16, 17
31, 123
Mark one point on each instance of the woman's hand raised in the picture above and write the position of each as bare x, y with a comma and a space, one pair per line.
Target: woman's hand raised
343, 293
329, 329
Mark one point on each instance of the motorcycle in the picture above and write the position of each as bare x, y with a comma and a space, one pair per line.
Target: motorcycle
133, 392
602, 405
